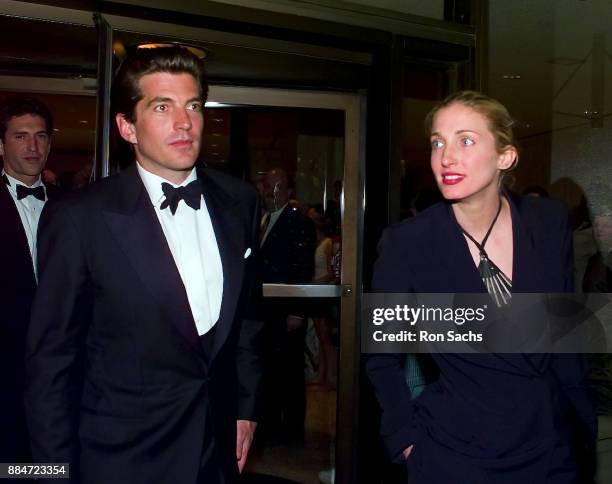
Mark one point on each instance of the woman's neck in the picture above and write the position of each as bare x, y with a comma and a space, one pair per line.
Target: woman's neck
476, 215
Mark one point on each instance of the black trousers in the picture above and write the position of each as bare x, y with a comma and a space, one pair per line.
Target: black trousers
284, 384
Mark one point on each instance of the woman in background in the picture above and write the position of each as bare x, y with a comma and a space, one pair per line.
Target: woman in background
488, 418
321, 310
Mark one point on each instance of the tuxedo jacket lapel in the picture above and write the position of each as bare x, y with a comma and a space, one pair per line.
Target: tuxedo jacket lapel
231, 239
13, 238
136, 228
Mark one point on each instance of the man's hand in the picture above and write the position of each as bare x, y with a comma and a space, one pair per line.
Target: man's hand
408, 451
294, 322
245, 430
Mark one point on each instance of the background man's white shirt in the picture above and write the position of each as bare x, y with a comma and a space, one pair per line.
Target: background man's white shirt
29, 209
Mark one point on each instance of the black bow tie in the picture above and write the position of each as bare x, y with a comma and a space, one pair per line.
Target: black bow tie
191, 193
38, 192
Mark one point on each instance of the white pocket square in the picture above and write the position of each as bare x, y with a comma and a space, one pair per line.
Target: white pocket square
247, 253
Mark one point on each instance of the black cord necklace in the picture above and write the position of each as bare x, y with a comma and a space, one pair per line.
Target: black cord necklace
498, 285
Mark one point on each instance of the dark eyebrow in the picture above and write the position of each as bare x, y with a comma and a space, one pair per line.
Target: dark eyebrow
27, 132
159, 100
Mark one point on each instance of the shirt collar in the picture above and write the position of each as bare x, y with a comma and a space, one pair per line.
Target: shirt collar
276, 213
153, 183
13, 182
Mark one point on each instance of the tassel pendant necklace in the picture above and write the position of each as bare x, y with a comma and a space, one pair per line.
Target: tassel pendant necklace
499, 286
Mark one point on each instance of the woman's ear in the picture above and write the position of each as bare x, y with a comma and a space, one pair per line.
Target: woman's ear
508, 158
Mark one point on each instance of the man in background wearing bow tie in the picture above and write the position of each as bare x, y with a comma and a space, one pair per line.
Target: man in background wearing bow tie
25, 133
142, 354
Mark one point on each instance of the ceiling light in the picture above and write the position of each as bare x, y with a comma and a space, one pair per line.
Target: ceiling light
197, 51
215, 104
119, 49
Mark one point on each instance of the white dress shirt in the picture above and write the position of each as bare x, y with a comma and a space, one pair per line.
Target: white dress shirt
29, 209
191, 238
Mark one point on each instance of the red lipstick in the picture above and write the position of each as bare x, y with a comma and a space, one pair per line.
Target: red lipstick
450, 178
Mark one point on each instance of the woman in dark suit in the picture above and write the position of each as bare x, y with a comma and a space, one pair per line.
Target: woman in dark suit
487, 418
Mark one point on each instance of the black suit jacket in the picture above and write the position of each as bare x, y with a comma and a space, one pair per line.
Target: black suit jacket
145, 404
287, 257
287, 254
17, 286
490, 409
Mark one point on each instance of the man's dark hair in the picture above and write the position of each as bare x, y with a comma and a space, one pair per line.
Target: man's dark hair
174, 60
20, 105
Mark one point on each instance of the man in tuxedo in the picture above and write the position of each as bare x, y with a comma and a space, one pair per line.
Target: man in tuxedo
25, 133
142, 354
288, 244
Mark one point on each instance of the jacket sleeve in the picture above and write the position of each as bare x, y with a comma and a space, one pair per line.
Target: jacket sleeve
55, 332
249, 353
387, 371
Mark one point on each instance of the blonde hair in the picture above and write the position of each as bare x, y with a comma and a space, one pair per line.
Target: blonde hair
499, 119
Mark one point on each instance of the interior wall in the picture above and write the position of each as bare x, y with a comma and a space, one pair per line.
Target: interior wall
551, 65
582, 110
521, 44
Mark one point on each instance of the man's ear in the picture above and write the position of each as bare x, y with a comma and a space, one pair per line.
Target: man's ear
1, 147
126, 129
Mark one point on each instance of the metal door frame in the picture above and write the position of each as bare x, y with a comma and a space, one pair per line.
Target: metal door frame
352, 208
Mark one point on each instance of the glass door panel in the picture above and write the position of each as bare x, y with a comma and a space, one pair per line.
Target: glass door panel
306, 430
